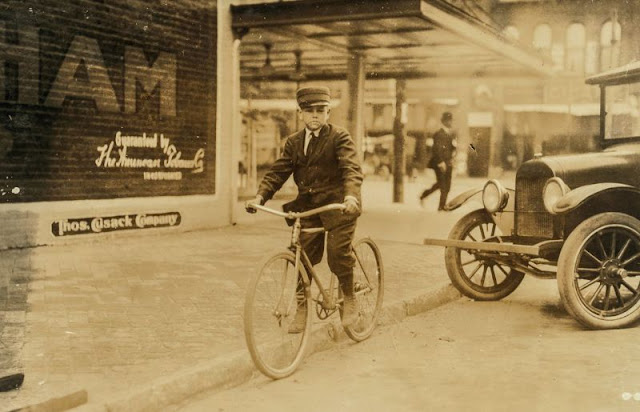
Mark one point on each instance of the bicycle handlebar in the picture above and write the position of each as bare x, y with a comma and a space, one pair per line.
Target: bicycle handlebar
299, 215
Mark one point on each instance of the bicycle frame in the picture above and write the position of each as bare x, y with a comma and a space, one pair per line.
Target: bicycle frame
291, 315
328, 302
301, 257
309, 275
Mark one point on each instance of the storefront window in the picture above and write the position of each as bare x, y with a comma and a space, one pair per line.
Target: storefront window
623, 112
610, 45
576, 42
542, 38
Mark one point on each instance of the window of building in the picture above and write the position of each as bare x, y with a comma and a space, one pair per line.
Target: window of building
576, 43
542, 38
591, 59
511, 33
610, 44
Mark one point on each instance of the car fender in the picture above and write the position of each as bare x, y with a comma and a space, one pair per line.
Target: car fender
577, 197
462, 198
465, 196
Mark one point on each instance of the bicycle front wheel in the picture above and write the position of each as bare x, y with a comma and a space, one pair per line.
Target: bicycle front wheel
277, 319
368, 280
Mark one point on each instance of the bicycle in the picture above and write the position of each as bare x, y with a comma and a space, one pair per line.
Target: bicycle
273, 297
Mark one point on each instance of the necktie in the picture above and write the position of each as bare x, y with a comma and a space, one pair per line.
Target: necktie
313, 140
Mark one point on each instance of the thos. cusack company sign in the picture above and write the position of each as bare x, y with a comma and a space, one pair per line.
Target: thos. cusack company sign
81, 226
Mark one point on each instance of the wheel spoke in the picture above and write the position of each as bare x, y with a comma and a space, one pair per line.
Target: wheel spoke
583, 287
616, 289
475, 259
613, 244
633, 272
484, 236
484, 275
628, 286
631, 259
475, 271
503, 271
471, 236
596, 294
493, 230
601, 246
596, 270
606, 298
364, 271
493, 276
624, 249
586, 252
587, 270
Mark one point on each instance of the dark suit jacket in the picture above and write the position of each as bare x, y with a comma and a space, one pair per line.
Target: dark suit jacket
329, 174
443, 149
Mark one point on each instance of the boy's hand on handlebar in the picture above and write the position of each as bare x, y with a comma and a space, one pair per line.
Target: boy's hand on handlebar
258, 200
350, 205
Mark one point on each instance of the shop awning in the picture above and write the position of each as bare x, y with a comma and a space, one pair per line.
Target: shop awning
623, 74
314, 39
577, 109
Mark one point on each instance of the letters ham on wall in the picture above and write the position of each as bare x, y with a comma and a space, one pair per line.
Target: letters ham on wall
106, 99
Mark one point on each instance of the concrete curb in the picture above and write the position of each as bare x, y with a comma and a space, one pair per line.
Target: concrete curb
237, 368
62, 403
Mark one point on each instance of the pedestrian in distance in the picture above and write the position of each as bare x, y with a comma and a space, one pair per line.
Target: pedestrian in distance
444, 147
323, 160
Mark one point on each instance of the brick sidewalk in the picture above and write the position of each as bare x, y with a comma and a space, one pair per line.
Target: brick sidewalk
113, 315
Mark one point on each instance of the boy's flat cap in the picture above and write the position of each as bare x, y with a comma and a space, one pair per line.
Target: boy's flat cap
313, 96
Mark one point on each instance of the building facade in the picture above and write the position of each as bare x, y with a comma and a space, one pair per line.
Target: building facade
581, 39
107, 119
503, 121
121, 117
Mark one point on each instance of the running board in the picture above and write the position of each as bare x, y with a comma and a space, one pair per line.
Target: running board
533, 250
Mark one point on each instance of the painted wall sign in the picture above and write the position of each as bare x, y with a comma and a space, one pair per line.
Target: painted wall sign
86, 225
160, 153
95, 107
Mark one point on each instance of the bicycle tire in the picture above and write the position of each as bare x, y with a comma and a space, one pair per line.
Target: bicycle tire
270, 306
369, 262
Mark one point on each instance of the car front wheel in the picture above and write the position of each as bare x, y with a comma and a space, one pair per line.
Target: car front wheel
599, 271
479, 275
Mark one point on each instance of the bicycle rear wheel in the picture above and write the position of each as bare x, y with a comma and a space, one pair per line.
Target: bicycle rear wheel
270, 308
368, 280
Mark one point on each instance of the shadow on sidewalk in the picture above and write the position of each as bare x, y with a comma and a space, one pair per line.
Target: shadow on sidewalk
17, 268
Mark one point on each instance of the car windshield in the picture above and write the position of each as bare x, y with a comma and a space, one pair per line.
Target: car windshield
622, 111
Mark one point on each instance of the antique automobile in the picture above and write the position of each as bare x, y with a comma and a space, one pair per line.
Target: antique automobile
575, 218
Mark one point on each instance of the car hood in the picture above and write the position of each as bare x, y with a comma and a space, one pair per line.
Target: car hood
620, 164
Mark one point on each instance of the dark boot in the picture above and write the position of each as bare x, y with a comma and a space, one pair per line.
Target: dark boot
299, 320
350, 304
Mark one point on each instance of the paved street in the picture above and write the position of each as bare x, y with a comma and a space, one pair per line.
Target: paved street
109, 316
524, 354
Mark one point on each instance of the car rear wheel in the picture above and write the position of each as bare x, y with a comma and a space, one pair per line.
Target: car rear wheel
475, 274
599, 271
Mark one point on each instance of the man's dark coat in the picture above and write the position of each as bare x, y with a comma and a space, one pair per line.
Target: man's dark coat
327, 175
443, 149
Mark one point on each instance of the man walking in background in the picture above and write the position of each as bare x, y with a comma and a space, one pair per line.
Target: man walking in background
444, 146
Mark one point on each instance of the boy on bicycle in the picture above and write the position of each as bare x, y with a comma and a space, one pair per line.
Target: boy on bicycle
323, 160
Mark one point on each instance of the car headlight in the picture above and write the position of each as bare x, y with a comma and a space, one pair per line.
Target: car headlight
494, 196
553, 191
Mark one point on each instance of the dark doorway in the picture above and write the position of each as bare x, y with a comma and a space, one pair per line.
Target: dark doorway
478, 151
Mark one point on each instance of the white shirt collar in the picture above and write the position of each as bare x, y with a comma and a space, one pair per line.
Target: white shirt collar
446, 129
